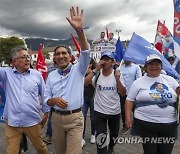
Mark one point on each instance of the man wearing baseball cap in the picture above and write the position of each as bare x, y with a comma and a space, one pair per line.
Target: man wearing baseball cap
107, 53
106, 101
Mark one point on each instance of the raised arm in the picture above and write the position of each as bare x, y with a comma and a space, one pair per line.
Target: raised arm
76, 21
121, 88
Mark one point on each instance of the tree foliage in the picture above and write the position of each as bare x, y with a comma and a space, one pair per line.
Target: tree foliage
6, 45
46, 54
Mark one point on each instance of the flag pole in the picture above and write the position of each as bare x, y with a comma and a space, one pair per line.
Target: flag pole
118, 31
156, 33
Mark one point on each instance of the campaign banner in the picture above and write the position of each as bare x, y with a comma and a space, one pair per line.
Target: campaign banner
2, 103
177, 21
177, 27
104, 48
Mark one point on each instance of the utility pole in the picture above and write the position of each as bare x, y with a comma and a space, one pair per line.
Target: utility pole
118, 31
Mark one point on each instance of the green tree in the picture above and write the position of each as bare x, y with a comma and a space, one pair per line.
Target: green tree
6, 45
46, 55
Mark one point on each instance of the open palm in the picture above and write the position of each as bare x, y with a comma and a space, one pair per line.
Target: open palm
76, 19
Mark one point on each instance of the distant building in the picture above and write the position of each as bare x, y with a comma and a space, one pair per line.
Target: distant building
95, 52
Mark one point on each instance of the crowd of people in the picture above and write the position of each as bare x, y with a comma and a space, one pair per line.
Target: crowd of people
146, 102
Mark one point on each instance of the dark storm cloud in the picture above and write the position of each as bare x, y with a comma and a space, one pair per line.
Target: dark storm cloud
46, 18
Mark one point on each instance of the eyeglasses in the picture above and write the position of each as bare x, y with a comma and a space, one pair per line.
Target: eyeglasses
24, 57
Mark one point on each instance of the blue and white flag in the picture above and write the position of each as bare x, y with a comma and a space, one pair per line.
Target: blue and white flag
139, 48
176, 49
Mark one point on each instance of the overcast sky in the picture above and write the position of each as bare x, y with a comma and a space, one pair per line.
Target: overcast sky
46, 18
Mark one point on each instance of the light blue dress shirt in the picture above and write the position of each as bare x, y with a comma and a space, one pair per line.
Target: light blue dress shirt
71, 86
130, 74
22, 108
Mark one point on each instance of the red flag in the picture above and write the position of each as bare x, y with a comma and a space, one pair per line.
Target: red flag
73, 55
176, 25
41, 64
162, 30
107, 33
76, 43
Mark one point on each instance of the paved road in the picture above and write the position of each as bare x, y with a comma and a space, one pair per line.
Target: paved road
89, 148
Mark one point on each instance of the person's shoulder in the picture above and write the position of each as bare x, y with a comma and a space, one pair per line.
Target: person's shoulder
51, 66
167, 76
122, 66
34, 71
6, 68
142, 78
135, 65
52, 73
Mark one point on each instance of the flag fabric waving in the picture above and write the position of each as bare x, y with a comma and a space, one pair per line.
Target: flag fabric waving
167, 44
119, 53
161, 33
41, 64
139, 48
76, 43
162, 28
176, 49
107, 33
73, 59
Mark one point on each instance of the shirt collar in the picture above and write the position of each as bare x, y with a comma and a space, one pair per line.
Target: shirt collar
65, 71
16, 71
127, 65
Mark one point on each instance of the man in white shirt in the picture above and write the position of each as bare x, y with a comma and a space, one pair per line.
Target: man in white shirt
111, 41
107, 108
100, 41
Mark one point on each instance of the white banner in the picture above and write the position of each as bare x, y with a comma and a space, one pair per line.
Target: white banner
103, 48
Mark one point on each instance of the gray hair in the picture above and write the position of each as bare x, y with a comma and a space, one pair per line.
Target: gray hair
16, 50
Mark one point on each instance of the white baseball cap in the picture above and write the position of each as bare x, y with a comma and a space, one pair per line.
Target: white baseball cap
152, 57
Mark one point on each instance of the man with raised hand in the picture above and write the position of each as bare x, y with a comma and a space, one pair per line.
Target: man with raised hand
64, 92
